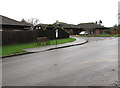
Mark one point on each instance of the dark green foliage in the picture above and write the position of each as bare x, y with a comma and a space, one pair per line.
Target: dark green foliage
50, 27
107, 31
96, 22
100, 21
50, 32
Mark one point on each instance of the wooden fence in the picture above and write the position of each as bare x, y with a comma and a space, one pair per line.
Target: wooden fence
19, 37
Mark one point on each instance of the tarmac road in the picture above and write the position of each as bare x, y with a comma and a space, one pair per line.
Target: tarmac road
91, 64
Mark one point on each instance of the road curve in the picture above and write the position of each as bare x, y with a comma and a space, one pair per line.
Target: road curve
92, 64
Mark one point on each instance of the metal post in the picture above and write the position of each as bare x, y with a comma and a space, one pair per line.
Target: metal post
56, 42
57, 23
56, 35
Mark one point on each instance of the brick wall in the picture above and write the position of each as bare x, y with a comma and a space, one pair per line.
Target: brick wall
98, 31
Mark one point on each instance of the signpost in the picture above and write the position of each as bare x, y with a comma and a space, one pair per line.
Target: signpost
56, 35
56, 31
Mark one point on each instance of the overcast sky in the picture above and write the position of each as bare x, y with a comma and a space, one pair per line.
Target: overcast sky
69, 11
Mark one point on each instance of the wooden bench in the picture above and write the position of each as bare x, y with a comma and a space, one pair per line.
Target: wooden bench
40, 40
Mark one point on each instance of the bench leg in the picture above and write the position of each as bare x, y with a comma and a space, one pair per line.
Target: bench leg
39, 43
48, 43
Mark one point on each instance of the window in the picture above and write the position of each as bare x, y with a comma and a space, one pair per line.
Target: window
36, 27
39, 27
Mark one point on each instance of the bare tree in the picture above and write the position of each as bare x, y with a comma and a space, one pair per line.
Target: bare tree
33, 21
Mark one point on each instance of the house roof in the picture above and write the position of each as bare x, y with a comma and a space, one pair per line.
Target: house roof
9, 21
90, 26
87, 26
70, 26
42, 24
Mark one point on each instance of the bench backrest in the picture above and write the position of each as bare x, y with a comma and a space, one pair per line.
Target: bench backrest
42, 39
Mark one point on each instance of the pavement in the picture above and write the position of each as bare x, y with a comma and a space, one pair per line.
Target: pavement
92, 64
79, 41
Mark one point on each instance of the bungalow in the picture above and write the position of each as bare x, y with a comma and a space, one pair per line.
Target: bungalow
91, 28
40, 26
10, 24
71, 29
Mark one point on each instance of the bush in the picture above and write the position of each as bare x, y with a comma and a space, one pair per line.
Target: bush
107, 31
50, 27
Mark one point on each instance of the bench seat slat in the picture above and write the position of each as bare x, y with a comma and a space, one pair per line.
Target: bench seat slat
43, 40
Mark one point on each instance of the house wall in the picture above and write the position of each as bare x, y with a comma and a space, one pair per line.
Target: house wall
98, 31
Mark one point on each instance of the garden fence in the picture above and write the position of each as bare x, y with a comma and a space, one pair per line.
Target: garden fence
19, 37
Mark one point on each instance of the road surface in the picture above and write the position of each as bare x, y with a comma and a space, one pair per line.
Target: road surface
91, 64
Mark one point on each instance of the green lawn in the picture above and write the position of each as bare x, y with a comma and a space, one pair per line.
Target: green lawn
116, 35
13, 49
0, 51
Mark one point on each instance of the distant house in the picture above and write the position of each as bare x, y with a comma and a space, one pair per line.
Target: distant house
10, 24
71, 29
91, 28
40, 26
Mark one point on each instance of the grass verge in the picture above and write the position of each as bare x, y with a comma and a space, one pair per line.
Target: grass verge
13, 49
116, 35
